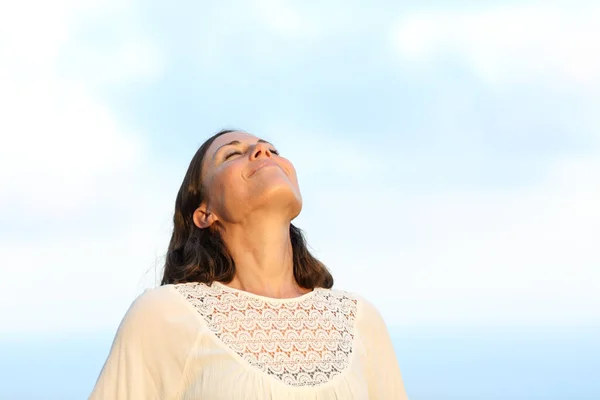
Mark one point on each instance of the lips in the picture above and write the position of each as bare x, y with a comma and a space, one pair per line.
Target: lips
261, 164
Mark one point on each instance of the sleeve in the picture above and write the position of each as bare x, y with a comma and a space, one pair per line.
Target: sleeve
150, 349
382, 371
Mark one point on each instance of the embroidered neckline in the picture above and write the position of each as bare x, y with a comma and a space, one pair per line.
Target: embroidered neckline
301, 341
265, 298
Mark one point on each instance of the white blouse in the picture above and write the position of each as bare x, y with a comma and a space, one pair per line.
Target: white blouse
194, 341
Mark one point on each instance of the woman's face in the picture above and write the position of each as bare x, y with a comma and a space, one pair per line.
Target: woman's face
243, 174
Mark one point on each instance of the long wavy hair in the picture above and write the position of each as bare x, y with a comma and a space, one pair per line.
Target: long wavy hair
200, 255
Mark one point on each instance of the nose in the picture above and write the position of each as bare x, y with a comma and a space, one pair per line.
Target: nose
261, 150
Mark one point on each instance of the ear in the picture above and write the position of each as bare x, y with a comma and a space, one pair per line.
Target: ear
203, 218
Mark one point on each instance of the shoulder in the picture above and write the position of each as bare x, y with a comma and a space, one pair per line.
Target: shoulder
157, 313
366, 313
154, 298
361, 302
155, 305
171, 294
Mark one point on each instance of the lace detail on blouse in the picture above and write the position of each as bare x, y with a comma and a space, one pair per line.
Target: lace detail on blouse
301, 342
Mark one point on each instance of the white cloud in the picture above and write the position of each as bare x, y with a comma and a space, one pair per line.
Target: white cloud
281, 17
524, 255
33, 39
66, 162
474, 257
59, 138
70, 284
58, 142
313, 152
513, 43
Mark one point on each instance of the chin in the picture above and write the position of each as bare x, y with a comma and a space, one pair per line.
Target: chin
295, 208
285, 197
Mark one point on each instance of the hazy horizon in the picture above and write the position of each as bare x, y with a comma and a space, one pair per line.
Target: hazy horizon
437, 364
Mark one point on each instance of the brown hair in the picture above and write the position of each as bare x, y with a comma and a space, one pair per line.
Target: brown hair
200, 255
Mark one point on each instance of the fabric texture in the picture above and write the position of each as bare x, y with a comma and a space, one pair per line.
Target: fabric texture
194, 341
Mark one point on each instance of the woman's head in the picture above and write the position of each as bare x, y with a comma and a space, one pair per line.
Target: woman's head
232, 176
243, 176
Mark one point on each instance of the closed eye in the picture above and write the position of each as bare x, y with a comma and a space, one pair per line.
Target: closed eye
239, 152
231, 154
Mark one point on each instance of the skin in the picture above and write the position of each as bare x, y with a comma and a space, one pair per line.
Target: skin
253, 211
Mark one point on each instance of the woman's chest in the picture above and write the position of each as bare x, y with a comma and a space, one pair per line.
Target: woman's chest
214, 372
255, 348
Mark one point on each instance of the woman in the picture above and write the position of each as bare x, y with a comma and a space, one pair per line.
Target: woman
244, 310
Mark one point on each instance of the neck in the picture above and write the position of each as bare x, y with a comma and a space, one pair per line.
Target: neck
262, 252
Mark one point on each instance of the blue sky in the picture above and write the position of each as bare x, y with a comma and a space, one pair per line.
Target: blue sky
448, 152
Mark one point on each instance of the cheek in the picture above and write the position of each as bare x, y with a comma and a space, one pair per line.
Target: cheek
293, 175
226, 182
289, 167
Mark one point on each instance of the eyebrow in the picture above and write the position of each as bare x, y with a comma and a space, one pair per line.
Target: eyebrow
236, 142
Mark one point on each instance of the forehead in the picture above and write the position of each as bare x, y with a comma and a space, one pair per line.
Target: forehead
242, 137
226, 138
